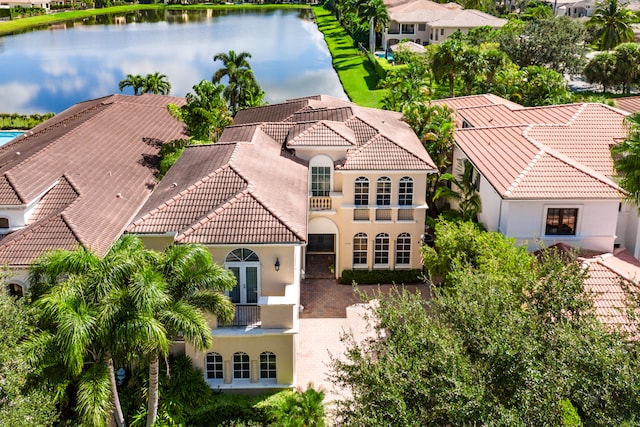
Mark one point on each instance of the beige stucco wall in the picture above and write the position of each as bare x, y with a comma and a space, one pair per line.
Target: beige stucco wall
282, 345
342, 215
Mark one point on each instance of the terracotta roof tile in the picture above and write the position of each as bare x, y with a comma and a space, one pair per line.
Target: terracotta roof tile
269, 113
107, 149
237, 133
277, 131
241, 221
322, 133
630, 104
341, 114
382, 154
363, 131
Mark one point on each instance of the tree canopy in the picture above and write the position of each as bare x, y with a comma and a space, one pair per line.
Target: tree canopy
507, 339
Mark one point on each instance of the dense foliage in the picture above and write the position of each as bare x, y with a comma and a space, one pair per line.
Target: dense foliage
506, 340
19, 121
26, 398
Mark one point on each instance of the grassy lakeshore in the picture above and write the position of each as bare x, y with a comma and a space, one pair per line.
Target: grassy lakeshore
356, 73
7, 27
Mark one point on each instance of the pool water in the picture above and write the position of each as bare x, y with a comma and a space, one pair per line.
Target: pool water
6, 136
389, 55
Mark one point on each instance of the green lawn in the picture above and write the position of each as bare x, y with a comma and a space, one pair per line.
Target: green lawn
356, 73
7, 27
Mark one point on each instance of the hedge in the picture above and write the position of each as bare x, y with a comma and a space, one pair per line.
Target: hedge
366, 277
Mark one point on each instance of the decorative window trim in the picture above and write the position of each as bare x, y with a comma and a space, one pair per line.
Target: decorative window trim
561, 220
361, 191
268, 366
405, 191
214, 366
360, 250
241, 366
381, 250
383, 191
403, 249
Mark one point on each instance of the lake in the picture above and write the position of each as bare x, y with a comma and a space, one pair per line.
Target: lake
50, 70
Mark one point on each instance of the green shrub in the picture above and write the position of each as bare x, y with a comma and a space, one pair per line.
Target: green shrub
366, 277
234, 410
380, 65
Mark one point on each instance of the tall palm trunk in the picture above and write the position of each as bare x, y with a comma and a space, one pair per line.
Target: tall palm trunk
117, 409
152, 407
372, 36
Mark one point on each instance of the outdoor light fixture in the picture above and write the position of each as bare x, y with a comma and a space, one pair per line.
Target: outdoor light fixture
277, 264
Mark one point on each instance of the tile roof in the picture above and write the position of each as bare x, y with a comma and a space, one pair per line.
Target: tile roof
630, 104
610, 277
250, 188
87, 170
554, 152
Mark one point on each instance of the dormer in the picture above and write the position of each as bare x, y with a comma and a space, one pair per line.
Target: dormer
327, 137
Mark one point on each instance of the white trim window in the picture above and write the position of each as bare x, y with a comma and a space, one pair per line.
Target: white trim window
561, 222
320, 181
383, 191
360, 250
405, 191
403, 249
361, 191
381, 250
241, 366
268, 366
214, 366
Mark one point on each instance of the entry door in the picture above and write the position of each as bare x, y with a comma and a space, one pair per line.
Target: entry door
321, 243
246, 291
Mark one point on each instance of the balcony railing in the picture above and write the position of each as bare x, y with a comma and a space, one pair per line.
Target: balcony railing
405, 214
361, 214
320, 203
383, 214
246, 315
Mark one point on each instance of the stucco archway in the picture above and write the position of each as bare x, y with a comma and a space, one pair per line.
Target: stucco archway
322, 249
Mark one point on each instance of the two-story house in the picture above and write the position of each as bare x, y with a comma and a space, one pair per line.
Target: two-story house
545, 173
426, 22
286, 183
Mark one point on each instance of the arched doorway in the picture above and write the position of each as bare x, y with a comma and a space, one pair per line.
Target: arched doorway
15, 290
322, 249
245, 265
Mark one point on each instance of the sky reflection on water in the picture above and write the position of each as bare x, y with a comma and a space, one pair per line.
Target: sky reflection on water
51, 70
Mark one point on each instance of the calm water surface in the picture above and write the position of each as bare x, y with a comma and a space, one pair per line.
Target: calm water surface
50, 70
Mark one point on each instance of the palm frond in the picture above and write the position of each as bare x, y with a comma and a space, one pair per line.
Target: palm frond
94, 396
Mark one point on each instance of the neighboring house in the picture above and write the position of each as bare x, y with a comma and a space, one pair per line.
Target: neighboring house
425, 22
80, 177
546, 174
289, 186
25, 3
574, 9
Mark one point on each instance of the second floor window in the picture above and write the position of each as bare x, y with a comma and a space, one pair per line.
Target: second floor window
405, 191
320, 181
241, 367
383, 191
361, 191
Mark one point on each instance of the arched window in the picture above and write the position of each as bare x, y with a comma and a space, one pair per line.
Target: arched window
267, 365
320, 168
4, 222
405, 191
360, 250
403, 249
241, 369
361, 191
241, 255
15, 290
381, 249
214, 366
383, 191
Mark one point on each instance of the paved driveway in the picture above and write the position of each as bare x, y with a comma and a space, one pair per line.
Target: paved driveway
330, 309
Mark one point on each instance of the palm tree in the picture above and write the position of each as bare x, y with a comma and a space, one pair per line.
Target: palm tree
447, 62
242, 89
193, 283
613, 23
626, 158
375, 12
156, 83
469, 204
136, 82
73, 290
627, 65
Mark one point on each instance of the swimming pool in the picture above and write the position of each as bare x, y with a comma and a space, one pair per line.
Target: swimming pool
6, 136
388, 55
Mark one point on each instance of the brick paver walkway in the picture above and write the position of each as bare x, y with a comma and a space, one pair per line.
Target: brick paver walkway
330, 309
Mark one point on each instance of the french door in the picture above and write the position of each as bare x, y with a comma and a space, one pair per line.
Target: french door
246, 291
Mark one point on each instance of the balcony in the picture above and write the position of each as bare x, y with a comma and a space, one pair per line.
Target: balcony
405, 214
361, 214
320, 203
246, 315
383, 214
